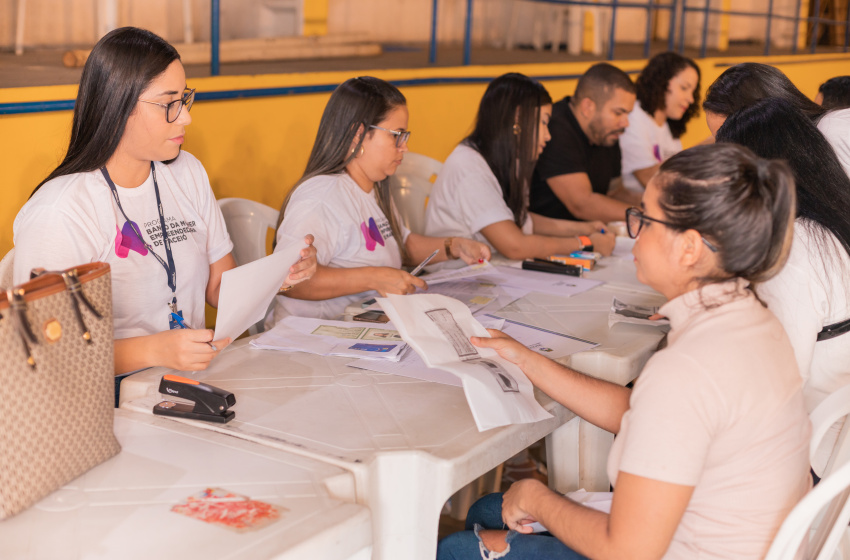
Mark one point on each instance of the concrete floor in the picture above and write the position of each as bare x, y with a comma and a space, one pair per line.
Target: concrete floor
44, 67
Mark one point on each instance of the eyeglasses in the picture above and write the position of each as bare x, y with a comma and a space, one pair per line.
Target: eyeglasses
172, 110
401, 136
635, 218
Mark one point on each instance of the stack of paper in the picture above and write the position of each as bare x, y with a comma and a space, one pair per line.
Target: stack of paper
548, 343
438, 329
368, 341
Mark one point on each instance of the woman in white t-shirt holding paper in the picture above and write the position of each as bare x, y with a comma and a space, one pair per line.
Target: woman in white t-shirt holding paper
123, 181
343, 199
667, 98
482, 188
712, 445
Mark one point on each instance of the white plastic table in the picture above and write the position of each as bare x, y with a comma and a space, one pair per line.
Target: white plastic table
622, 352
121, 508
410, 444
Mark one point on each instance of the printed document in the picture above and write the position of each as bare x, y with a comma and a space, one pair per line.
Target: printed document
438, 329
368, 341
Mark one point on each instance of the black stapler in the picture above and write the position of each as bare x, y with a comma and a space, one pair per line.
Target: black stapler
211, 403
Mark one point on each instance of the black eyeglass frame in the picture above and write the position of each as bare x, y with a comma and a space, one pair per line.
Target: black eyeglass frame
642, 218
187, 99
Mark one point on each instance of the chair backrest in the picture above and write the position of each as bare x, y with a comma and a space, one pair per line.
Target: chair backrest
410, 188
831, 410
820, 519
6, 266
248, 224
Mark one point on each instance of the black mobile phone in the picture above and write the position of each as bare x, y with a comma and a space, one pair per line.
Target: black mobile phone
557, 268
372, 317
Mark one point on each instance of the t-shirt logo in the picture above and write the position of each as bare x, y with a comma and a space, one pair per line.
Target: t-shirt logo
656, 151
372, 234
127, 240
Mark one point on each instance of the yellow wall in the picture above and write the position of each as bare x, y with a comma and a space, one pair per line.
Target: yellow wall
257, 148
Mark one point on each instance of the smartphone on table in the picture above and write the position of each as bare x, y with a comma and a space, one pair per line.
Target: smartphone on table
372, 316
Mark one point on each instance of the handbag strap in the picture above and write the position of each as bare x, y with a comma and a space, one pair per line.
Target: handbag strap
74, 289
18, 309
833, 330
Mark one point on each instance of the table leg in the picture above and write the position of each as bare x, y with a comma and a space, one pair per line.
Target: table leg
577, 457
562, 457
406, 494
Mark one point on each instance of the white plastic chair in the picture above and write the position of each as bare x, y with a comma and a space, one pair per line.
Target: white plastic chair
6, 266
411, 186
248, 224
823, 514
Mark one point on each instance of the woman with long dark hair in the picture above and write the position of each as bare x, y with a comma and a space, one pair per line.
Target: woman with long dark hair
482, 189
744, 84
810, 296
123, 183
344, 199
667, 98
712, 443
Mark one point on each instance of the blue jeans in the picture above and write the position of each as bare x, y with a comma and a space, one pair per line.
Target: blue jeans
486, 513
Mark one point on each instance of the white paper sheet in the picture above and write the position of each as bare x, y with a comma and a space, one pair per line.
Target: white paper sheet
246, 291
534, 281
438, 329
368, 341
550, 344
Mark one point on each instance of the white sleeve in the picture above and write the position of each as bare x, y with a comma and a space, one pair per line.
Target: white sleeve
312, 216
636, 145
47, 237
796, 296
478, 196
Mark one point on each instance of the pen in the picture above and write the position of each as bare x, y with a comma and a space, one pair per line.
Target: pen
419, 268
182, 324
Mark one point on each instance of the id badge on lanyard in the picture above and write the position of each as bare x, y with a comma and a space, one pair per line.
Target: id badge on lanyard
169, 266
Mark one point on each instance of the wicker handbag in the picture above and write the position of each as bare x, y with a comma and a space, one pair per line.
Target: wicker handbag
56, 383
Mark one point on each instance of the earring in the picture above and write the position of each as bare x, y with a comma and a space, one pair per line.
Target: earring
362, 151
517, 129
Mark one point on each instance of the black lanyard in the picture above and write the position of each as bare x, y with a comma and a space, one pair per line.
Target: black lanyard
170, 268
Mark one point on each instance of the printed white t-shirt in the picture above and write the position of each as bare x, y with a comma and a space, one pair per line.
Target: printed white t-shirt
643, 145
835, 126
809, 293
74, 220
466, 198
720, 409
350, 230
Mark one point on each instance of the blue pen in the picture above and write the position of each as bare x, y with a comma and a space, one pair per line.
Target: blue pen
182, 324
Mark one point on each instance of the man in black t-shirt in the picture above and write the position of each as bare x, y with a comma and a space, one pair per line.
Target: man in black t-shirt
578, 174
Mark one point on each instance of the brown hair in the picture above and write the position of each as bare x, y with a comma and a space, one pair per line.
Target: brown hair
742, 204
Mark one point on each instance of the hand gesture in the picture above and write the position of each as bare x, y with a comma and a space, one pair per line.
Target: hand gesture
471, 252
388, 280
187, 349
306, 266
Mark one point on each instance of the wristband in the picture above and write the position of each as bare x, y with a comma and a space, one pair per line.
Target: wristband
585, 243
448, 244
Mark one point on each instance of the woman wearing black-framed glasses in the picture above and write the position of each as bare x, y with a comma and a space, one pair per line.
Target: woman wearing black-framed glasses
711, 447
126, 194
